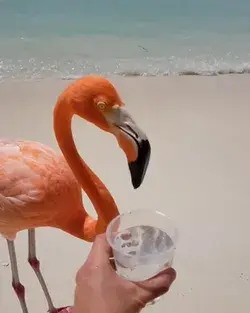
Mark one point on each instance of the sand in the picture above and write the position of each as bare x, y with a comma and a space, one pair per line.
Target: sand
199, 175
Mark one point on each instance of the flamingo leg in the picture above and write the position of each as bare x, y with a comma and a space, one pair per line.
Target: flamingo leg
35, 264
17, 286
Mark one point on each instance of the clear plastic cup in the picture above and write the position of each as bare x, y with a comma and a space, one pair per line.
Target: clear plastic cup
143, 243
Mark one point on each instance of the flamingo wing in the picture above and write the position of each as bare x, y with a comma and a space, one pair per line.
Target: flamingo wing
17, 178
34, 181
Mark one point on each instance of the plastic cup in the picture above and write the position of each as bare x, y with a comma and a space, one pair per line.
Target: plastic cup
143, 243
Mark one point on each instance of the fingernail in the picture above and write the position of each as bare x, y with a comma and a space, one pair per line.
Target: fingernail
172, 274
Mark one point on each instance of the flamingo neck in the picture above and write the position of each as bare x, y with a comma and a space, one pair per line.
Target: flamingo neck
97, 192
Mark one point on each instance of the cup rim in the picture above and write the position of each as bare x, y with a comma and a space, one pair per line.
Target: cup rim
175, 239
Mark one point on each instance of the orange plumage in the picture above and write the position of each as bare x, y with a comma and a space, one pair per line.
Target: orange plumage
37, 188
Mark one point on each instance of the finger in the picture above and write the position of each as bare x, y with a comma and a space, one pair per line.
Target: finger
100, 251
156, 286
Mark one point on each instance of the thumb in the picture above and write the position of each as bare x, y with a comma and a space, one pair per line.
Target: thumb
156, 286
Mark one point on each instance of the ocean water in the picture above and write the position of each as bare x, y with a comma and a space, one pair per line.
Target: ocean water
67, 39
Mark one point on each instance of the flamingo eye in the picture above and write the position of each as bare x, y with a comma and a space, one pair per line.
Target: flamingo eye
101, 105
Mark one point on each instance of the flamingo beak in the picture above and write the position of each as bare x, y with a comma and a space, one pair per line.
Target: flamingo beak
133, 141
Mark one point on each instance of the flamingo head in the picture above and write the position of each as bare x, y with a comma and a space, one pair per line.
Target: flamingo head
96, 100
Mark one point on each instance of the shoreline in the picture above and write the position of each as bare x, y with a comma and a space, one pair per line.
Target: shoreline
129, 74
115, 77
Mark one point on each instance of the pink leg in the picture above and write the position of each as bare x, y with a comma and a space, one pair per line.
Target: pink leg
35, 264
18, 287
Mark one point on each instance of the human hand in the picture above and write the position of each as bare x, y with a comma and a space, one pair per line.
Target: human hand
100, 290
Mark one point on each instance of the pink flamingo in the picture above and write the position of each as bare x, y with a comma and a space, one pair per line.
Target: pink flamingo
41, 188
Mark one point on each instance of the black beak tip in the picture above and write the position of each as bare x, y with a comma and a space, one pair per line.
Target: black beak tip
136, 181
139, 167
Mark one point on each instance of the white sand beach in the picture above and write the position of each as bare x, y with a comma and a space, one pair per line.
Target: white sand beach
199, 175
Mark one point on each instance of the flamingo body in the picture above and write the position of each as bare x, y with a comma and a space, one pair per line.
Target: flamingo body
37, 188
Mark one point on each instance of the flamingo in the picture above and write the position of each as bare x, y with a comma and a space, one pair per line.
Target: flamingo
39, 187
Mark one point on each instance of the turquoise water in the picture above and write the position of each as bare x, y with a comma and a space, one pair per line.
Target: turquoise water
67, 39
